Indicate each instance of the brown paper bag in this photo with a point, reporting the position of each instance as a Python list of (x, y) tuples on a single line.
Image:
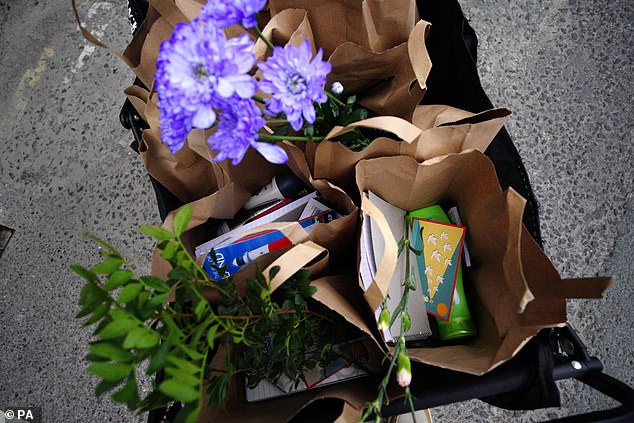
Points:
[(516, 289), (184, 174), (373, 24), (435, 131), (338, 236), (376, 48)]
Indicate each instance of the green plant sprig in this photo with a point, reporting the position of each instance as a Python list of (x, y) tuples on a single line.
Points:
[(169, 326), (400, 349)]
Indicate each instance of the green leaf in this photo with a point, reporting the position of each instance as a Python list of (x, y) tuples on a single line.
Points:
[(117, 328), (129, 394), (83, 272), (129, 292), (157, 232), (101, 242), (156, 301), (85, 311), (158, 361), (107, 266), (156, 283), (309, 131), (182, 219), (170, 323), (211, 335), (188, 414), (274, 271), (182, 376), (193, 354), (105, 386), (110, 351), (93, 357), (141, 337), (98, 314), (153, 401), (396, 313), (110, 372), (179, 391), (200, 308), (90, 297), (170, 250), (218, 387), (183, 364), (118, 278)]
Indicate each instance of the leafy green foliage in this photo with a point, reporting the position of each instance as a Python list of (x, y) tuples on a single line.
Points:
[(169, 325), (338, 113)]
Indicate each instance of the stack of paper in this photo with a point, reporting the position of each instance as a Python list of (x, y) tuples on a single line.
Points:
[(371, 251)]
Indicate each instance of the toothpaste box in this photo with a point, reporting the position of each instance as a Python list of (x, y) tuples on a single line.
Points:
[(244, 250)]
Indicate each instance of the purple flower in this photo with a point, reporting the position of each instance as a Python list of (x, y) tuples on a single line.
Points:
[(196, 69), (238, 126), (294, 82), (224, 13)]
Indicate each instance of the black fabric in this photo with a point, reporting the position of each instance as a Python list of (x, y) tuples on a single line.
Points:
[(454, 81), (541, 390), (137, 9)]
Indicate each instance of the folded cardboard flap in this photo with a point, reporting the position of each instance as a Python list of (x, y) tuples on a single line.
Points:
[(516, 291), (436, 131), (184, 174), (373, 24), (290, 26)]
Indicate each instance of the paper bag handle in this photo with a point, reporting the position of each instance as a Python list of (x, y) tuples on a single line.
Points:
[(584, 287), (378, 289), (403, 129), (292, 261), (418, 54)]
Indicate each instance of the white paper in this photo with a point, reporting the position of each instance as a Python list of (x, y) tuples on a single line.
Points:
[(454, 216), (288, 213), (312, 208), (395, 218)]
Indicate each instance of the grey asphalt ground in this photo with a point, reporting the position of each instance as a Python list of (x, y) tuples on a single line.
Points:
[(563, 67)]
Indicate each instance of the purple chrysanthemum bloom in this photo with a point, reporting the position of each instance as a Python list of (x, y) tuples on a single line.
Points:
[(294, 82), (196, 69), (238, 126), (224, 13)]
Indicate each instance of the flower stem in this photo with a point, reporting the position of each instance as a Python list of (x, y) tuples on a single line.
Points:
[(266, 40), (259, 99), (376, 405), (335, 99), (276, 122), (265, 137)]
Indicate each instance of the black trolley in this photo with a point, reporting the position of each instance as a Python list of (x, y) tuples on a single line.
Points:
[(528, 380)]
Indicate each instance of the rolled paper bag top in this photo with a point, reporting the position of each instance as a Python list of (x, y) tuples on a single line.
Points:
[(375, 25)]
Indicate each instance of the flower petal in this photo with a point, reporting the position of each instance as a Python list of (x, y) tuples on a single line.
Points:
[(271, 152), (204, 118)]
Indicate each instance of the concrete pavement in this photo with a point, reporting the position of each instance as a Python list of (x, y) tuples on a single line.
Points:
[(563, 67)]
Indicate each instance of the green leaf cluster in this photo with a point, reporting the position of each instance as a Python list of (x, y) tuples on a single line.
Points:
[(144, 322)]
